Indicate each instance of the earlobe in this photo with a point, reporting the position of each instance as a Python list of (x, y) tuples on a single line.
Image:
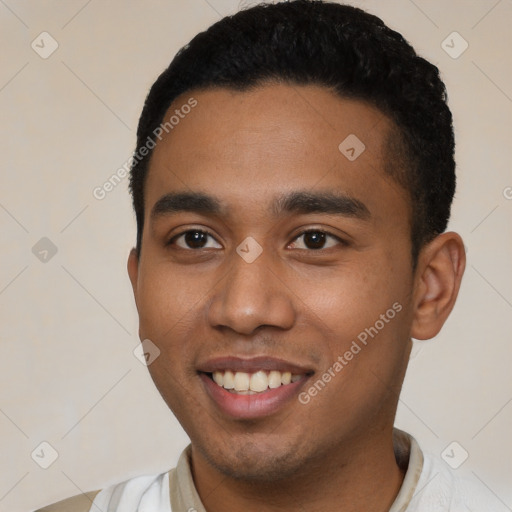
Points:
[(439, 273), (133, 270)]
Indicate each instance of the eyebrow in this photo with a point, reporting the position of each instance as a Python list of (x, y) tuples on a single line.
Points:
[(301, 202), (320, 202), (186, 202)]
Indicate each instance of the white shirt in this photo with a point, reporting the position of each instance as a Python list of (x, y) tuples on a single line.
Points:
[(430, 485)]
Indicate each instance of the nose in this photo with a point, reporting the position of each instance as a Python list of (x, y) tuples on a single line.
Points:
[(250, 296)]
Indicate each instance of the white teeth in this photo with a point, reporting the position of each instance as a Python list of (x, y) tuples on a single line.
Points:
[(218, 377), (274, 379), (259, 381), (229, 380), (248, 384), (242, 380)]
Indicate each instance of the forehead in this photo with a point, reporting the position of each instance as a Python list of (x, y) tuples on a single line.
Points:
[(249, 146)]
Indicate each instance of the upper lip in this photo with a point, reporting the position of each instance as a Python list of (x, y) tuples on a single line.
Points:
[(251, 365)]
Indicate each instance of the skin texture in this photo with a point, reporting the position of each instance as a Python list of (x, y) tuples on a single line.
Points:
[(302, 305)]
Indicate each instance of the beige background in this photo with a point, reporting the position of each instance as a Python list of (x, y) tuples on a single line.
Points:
[(68, 375)]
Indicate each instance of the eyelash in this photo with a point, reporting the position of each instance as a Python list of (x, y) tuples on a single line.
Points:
[(302, 233)]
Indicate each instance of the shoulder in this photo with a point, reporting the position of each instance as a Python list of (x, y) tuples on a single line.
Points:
[(149, 490), (79, 503), (448, 490), (124, 496), (146, 492)]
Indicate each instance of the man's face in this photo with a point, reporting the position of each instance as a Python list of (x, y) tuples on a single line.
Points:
[(270, 163)]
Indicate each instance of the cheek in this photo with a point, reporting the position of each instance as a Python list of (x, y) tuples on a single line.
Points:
[(351, 298), (171, 305), (367, 305), (167, 299)]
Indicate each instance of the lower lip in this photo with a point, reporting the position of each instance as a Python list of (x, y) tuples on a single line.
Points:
[(251, 406)]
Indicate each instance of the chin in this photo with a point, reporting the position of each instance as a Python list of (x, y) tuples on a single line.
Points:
[(256, 461)]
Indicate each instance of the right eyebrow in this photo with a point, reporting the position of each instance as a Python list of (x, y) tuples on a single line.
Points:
[(186, 202)]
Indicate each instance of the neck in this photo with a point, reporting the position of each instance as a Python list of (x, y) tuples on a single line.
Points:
[(363, 475)]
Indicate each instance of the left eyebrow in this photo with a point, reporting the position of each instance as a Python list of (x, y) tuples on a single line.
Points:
[(321, 202)]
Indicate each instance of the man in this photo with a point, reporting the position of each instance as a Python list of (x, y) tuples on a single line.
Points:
[(292, 185)]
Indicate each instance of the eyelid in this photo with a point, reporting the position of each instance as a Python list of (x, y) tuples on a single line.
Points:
[(330, 237), (343, 241), (187, 230), (184, 231)]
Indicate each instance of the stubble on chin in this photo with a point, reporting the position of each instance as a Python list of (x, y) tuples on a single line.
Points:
[(254, 463)]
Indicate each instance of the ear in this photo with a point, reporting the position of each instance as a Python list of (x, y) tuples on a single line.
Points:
[(133, 271), (441, 264)]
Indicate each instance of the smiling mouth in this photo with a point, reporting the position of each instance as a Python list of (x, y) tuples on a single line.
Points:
[(243, 383)]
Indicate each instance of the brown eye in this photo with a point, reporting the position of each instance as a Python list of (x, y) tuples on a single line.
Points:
[(195, 239), (316, 240)]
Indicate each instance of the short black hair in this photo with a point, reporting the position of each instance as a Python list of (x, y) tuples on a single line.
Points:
[(341, 47)]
